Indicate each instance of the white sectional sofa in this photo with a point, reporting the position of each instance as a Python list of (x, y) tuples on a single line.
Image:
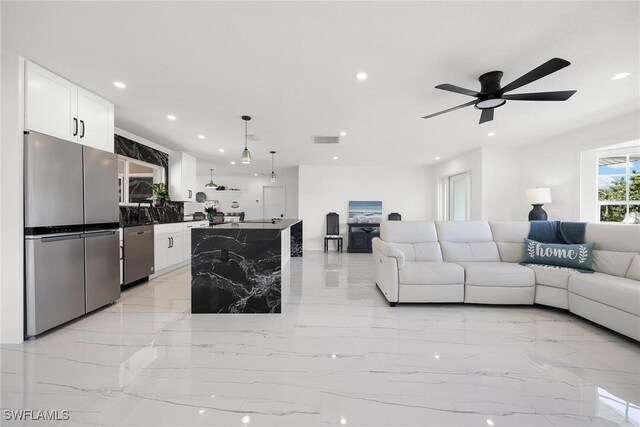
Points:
[(478, 262)]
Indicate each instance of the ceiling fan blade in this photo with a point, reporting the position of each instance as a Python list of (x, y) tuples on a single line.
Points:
[(562, 95), (551, 66), (486, 116), (450, 109), (458, 89)]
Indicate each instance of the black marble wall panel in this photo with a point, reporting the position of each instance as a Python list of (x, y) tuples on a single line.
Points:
[(129, 148), (173, 212), (235, 271), (296, 239)]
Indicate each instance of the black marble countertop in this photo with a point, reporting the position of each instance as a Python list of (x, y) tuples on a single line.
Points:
[(135, 224), (254, 225)]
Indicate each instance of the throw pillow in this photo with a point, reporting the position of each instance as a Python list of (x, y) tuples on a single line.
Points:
[(571, 256)]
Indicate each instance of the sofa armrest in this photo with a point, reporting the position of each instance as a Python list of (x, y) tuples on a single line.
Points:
[(389, 251)]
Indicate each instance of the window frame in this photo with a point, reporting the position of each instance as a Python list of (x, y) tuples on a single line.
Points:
[(159, 176), (627, 175)]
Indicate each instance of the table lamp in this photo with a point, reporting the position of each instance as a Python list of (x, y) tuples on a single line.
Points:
[(538, 197)]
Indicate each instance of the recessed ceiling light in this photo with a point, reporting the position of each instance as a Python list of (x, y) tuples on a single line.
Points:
[(361, 76), (343, 421), (213, 395), (489, 422), (437, 356), (333, 356), (200, 136), (255, 174), (119, 85), (201, 411), (343, 133), (246, 419), (491, 134), (437, 157), (335, 157), (620, 76), (171, 117), (221, 150), (232, 162)]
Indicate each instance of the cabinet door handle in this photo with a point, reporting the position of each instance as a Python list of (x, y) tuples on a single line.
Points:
[(75, 126), (82, 123), (189, 193), (169, 239)]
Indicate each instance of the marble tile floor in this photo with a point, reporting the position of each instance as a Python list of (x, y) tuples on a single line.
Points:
[(337, 355)]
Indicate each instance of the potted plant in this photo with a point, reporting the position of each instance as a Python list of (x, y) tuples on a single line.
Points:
[(210, 209), (160, 194)]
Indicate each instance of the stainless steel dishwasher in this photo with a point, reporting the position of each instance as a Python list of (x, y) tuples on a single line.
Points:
[(138, 253)]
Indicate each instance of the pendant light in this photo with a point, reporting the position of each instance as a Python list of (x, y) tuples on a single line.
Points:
[(272, 178), (246, 155), (211, 184)]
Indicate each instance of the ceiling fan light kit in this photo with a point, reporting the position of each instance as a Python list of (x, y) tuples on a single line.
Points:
[(492, 95)]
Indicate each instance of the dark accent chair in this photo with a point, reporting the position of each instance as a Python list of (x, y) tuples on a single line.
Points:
[(394, 216), (333, 231)]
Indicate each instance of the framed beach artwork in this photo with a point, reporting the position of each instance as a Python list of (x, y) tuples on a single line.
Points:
[(365, 211)]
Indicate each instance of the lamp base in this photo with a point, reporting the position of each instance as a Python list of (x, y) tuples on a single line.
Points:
[(537, 214)]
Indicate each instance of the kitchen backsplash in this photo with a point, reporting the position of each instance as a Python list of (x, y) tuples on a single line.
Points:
[(173, 212), (134, 150)]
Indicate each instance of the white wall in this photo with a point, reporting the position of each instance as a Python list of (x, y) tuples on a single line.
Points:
[(323, 189), (250, 196), (556, 164), (11, 194), (470, 162), (501, 183)]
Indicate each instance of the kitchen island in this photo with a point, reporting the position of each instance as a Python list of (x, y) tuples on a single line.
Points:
[(236, 267)]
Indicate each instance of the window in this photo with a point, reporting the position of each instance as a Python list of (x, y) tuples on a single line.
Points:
[(619, 188), (135, 179)]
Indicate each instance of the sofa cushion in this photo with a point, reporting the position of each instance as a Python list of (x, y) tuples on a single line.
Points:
[(613, 237), (550, 275), (572, 256), (469, 252), (431, 273), (614, 291), (420, 251), (634, 269), (509, 237), (408, 231), (510, 252), (499, 274), (612, 262), (510, 231), (464, 231)]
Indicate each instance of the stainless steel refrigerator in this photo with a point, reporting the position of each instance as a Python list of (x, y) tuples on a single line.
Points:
[(71, 219)]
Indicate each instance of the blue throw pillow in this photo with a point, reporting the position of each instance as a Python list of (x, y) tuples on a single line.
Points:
[(571, 256)]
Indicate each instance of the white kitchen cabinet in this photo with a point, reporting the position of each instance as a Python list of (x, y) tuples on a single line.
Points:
[(182, 177), (187, 236), (57, 107), (175, 251), (96, 121), (160, 245)]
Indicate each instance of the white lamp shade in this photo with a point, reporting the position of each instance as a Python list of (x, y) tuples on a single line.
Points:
[(538, 196)]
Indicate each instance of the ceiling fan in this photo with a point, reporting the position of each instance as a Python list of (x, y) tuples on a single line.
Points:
[(492, 96)]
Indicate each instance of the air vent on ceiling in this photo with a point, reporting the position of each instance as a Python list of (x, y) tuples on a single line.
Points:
[(325, 139), (253, 138)]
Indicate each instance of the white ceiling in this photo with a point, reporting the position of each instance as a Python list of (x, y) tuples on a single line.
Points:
[(292, 67)]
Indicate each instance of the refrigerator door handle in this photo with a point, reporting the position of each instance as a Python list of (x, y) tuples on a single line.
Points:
[(59, 238), (100, 233)]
